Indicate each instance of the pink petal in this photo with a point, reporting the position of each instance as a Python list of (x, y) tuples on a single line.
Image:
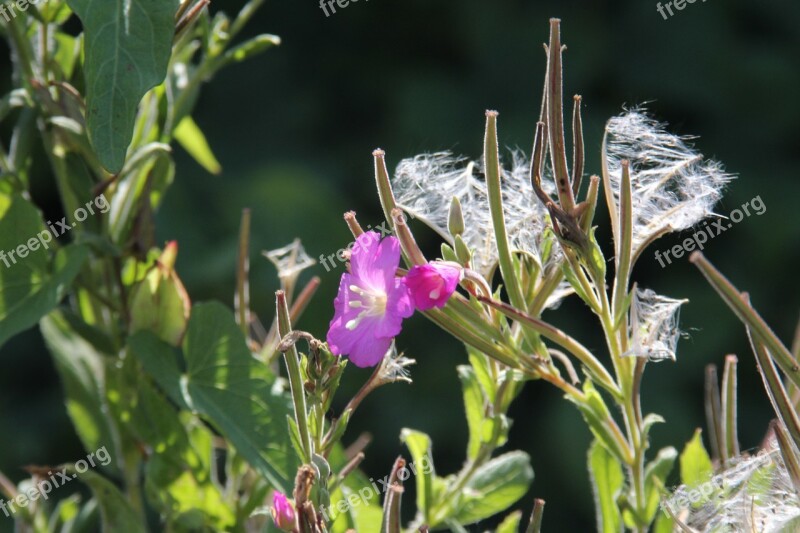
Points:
[(374, 261)]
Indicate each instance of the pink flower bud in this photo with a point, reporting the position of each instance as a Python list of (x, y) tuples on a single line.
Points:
[(283, 512), (432, 285)]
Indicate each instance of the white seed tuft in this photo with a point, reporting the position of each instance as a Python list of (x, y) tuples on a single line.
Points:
[(673, 186), (752, 494), (653, 322), (426, 184)]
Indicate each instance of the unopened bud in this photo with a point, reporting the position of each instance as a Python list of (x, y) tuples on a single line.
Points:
[(159, 303), (455, 219)]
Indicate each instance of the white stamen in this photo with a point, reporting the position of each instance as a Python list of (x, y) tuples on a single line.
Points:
[(373, 303)]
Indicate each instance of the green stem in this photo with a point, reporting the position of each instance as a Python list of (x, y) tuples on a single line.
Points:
[(749, 316), (492, 162), (624, 242), (295, 379), (242, 281)]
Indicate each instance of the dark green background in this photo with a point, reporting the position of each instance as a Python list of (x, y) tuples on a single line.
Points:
[(294, 130)]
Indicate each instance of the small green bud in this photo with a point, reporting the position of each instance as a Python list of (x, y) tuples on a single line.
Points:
[(455, 219), (462, 251)]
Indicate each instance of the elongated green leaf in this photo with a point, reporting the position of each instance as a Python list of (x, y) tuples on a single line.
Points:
[(607, 481), (495, 487), (473, 405), (655, 478), (30, 287), (419, 445), (82, 371), (127, 45), (227, 386), (191, 137)]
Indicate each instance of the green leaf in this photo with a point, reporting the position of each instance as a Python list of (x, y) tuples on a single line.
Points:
[(495, 487), (117, 514), (655, 479), (82, 371), (191, 137), (663, 524), (696, 467), (607, 480), (364, 516), (480, 364), (228, 387), (365, 492), (419, 445), (597, 417), (127, 46), (510, 524), (30, 287), (473, 405), (178, 475)]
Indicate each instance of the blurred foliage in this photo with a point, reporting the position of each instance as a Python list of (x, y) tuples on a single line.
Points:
[(293, 131)]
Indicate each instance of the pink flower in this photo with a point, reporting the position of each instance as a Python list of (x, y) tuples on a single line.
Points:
[(432, 285), (282, 512), (372, 302)]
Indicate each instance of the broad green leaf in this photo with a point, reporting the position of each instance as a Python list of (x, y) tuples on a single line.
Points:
[(30, 287), (82, 371), (161, 361), (473, 405), (191, 137), (607, 481), (178, 471), (228, 387), (127, 46), (696, 467), (495, 486), (117, 514), (178, 474), (419, 445)]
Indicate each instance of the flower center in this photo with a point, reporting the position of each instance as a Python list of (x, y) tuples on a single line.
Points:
[(373, 303)]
